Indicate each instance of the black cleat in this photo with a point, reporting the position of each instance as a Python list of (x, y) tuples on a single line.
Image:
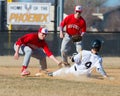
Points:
[(50, 74)]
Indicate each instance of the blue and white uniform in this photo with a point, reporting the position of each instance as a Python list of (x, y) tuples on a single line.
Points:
[(85, 62)]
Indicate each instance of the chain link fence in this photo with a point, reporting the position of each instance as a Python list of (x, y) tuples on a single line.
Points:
[(111, 45)]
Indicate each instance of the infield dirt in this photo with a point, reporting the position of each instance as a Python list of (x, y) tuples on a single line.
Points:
[(12, 84)]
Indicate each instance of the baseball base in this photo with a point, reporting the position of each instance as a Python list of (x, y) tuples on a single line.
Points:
[(39, 74)]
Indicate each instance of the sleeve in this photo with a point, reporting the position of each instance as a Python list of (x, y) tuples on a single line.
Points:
[(47, 50), (23, 40), (83, 30), (77, 58), (100, 68), (63, 23)]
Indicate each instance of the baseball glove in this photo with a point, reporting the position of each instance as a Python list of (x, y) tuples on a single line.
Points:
[(63, 64), (76, 38), (66, 64)]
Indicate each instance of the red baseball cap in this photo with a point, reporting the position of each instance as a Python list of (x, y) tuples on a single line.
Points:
[(43, 30), (78, 8)]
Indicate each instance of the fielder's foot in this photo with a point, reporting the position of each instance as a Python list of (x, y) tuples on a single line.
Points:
[(25, 73), (50, 74), (42, 72)]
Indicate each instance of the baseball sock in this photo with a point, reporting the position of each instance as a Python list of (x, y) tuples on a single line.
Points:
[(23, 68)]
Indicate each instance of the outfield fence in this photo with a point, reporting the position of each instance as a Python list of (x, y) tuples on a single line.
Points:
[(111, 45)]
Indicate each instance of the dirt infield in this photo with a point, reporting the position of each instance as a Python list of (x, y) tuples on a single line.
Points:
[(11, 67), (10, 73), (114, 75)]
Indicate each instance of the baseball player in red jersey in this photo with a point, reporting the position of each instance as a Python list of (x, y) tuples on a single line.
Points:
[(33, 44), (75, 25)]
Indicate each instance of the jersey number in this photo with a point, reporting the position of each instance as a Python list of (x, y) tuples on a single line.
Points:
[(88, 64)]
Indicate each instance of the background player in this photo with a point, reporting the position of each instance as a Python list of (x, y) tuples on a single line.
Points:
[(33, 44), (75, 25), (85, 62)]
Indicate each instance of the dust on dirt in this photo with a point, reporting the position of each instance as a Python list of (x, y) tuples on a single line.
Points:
[(10, 67)]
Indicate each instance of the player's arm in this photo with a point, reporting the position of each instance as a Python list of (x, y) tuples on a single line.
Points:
[(102, 72), (16, 55), (22, 40), (100, 68), (61, 32), (76, 58), (54, 59), (50, 54), (61, 27), (83, 30)]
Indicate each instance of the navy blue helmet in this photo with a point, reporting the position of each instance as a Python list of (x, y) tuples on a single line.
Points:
[(96, 44)]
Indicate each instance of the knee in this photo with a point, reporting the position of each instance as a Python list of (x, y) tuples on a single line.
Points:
[(63, 53), (28, 50), (42, 57)]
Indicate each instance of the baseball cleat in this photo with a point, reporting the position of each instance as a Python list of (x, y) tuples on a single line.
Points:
[(25, 73), (50, 74)]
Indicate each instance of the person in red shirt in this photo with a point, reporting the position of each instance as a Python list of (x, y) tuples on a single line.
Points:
[(33, 44), (75, 25)]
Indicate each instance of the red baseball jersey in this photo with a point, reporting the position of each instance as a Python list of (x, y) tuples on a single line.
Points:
[(34, 42), (73, 25)]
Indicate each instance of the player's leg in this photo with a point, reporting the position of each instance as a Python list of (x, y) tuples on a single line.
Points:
[(78, 46), (72, 70), (66, 71), (26, 51), (41, 56), (65, 47), (60, 72)]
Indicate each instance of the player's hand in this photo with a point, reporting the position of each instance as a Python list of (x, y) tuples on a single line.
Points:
[(60, 64), (16, 56), (109, 77), (61, 35)]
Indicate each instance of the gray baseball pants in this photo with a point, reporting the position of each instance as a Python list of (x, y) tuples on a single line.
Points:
[(66, 47), (28, 53)]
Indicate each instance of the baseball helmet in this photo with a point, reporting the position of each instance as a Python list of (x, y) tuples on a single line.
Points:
[(78, 8), (96, 44), (43, 30)]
